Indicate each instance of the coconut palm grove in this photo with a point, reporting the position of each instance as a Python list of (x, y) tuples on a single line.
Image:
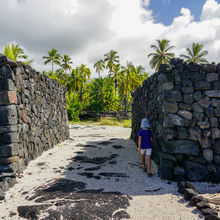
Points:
[(111, 91)]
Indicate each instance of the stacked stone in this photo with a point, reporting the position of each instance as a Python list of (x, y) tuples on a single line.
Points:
[(33, 117), (188, 119)]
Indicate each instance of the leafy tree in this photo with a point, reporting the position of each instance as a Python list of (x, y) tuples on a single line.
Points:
[(161, 54), (28, 62), (196, 54), (100, 66), (53, 57), (126, 77), (85, 75), (111, 58), (65, 62), (115, 77), (15, 52)]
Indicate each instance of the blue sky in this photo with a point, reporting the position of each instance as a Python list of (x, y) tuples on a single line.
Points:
[(87, 29), (165, 11)]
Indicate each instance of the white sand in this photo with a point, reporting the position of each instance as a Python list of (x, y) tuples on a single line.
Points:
[(164, 204)]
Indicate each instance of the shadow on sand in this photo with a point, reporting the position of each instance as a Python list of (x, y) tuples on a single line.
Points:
[(97, 184)]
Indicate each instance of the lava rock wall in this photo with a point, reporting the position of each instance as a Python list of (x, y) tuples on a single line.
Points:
[(182, 102), (33, 117)]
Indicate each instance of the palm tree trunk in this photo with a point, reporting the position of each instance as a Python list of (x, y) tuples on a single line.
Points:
[(126, 97), (52, 67)]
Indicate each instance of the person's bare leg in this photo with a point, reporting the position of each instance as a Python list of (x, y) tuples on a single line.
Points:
[(148, 164), (143, 161)]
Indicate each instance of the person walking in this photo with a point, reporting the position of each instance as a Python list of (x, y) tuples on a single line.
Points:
[(145, 141)]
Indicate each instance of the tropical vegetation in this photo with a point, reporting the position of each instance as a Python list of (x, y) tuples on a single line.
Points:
[(162, 53), (15, 52), (111, 91), (101, 95), (195, 55)]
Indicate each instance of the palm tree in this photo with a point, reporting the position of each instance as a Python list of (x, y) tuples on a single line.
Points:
[(115, 77), (28, 62), (85, 74), (99, 65), (161, 56), (14, 52), (66, 61), (111, 58), (127, 77), (53, 57), (196, 54)]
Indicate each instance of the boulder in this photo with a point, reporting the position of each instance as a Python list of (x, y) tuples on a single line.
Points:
[(208, 154), (215, 103), (173, 96), (185, 114), (202, 85), (164, 68), (209, 211), (166, 86), (216, 85), (6, 60), (187, 89), (210, 112), (197, 95), (183, 185), (208, 68), (194, 133), (213, 93), (166, 169), (198, 76), (189, 193), (188, 99), (194, 67), (170, 107), (216, 176), (167, 156), (205, 102), (217, 112), (179, 171), (211, 217), (185, 147), (172, 120), (195, 171), (198, 116), (217, 160), (197, 107), (6, 73), (203, 124), (213, 122), (218, 68), (202, 205), (215, 133), (211, 77), (7, 85), (8, 115), (184, 106), (182, 133)]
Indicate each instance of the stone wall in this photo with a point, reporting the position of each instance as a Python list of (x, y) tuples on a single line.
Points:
[(33, 117), (182, 103)]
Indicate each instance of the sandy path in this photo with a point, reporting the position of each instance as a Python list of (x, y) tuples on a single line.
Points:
[(70, 181)]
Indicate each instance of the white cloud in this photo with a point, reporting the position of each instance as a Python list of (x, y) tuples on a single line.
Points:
[(211, 10), (87, 29)]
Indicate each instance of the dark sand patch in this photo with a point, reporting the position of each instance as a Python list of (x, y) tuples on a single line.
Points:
[(71, 200)]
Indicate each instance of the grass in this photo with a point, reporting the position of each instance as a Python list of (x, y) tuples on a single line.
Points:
[(110, 121)]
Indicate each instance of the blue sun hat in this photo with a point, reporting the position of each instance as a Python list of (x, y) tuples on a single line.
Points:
[(145, 123)]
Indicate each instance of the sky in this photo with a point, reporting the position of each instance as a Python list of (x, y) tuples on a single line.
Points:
[(87, 29)]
